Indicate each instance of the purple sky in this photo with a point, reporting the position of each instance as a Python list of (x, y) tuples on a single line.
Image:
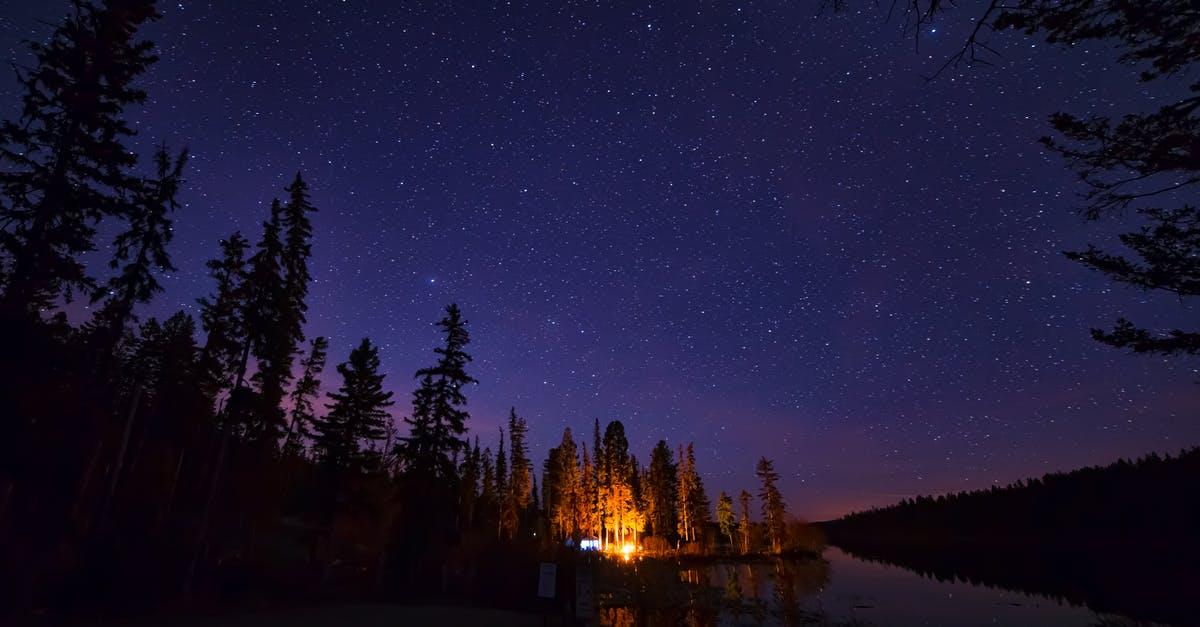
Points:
[(732, 223)]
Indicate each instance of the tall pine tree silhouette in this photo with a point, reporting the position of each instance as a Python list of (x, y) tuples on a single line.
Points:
[(141, 250), (222, 316), (301, 417), (438, 422)]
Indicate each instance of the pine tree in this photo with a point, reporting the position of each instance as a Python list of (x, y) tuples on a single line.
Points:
[(297, 249), (222, 317), (725, 517), (358, 412), (471, 474), (772, 503), (501, 472), (438, 421), (744, 526), (487, 484), (661, 490), (141, 249), (600, 477), (692, 499), (701, 509), (301, 415), (616, 491), (66, 167), (588, 516), (561, 487), (520, 476), (268, 335)]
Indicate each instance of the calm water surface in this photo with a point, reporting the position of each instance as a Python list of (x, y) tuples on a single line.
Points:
[(838, 590), (890, 595)]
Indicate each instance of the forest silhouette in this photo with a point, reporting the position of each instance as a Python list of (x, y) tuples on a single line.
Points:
[(1120, 538)]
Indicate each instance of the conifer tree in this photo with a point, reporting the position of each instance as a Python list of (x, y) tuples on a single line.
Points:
[(357, 414), (616, 491), (222, 317), (65, 165), (744, 525), (520, 475), (471, 475), (692, 499), (501, 475), (301, 415), (661, 491), (438, 421), (600, 477), (772, 503), (487, 483), (725, 517), (587, 496), (141, 249), (561, 487), (297, 249), (266, 329)]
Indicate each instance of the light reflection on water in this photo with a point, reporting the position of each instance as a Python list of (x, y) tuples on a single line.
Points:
[(836, 590)]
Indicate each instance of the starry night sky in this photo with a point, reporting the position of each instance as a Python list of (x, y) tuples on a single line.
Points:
[(734, 223)]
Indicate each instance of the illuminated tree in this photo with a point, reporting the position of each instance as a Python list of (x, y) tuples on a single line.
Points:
[(615, 489), (588, 514), (744, 525), (562, 490), (772, 503), (692, 499), (725, 517)]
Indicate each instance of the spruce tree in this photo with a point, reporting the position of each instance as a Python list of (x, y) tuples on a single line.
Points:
[(64, 163), (269, 342), (301, 415), (141, 249), (357, 414), (438, 421), (617, 493), (725, 517), (773, 508), (222, 316), (297, 249), (520, 475), (588, 517), (661, 489), (744, 526)]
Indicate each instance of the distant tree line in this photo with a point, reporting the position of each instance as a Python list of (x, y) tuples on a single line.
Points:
[(1119, 538), (1146, 501)]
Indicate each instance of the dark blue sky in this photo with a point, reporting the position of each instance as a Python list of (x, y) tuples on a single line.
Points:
[(734, 223)]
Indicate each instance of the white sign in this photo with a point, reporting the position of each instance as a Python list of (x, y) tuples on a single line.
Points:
[(546, 575), (584, 595)]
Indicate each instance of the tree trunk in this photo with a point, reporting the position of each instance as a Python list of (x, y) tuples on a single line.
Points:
[(120, 460)]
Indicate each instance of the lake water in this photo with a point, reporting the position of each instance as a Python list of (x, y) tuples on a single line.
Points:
[(837, 590)]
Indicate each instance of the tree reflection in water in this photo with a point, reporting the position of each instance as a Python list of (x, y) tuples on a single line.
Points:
[(654, 593)]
